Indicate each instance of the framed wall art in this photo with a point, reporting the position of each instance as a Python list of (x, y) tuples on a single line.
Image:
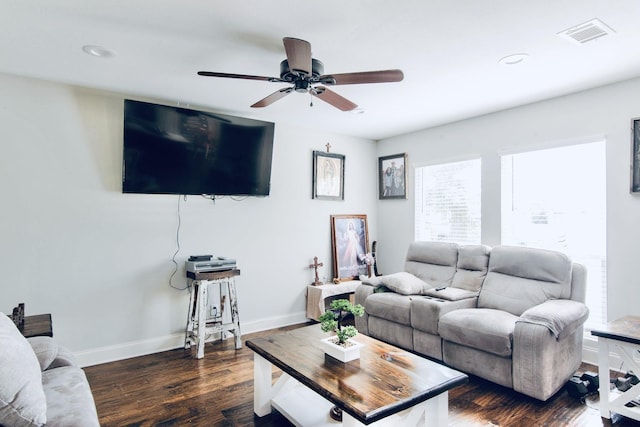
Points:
[(328, 176), (635, 155), (392, 176), (350, 243)]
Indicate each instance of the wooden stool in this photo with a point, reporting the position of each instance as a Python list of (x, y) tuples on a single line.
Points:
[(197, 325)]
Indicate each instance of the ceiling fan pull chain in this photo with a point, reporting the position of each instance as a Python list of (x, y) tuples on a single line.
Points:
[(311, 99)]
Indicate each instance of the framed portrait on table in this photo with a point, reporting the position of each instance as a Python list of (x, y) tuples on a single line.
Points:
[(328, 176), (392, 176), (350, 243)]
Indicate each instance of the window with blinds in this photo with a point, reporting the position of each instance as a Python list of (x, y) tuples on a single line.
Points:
[(448, 201), (556, 199)]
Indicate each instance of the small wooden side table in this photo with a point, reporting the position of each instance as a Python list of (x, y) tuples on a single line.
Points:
[(319, 296), (39, 325), (624, 335), (197, 325)]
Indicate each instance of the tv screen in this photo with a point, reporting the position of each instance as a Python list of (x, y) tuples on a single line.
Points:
[(172, 150)]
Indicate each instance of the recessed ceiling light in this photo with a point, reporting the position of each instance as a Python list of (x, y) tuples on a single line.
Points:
[(98, 51), (513, 59)]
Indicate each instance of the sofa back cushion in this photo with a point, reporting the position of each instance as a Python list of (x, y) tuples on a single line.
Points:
[(520, 278), (472, 266), (22, 399), (433, 262)]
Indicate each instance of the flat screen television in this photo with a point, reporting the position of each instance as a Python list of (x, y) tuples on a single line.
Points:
[(172, 150)]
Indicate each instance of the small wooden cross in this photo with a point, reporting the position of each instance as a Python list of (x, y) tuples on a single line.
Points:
[(328, 146), (315, 266)]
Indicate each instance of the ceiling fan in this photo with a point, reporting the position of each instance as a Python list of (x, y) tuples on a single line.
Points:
[(307, 75)]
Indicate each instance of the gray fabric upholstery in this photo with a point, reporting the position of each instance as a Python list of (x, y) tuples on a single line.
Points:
[(519, 278), (433, 262), (72, 402), (390, 306), (450, 293), (560, 317), (426, 312), (41, 383), (394, 333), (524, 330), (22, 399), (541, 363), (45, 349), (472, 266), (484, 329), (403, 283)]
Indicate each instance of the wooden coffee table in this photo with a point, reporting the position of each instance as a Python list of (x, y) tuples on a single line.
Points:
[(386, 386)]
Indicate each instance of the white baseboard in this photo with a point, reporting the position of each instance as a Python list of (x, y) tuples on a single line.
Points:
[(128, 350)]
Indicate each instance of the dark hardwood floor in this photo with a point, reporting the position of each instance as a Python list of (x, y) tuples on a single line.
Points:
[(173, 388)]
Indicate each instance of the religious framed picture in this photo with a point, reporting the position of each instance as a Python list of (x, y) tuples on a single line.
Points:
[(328, 176), (392, 176), (635, 155), (350, 243)]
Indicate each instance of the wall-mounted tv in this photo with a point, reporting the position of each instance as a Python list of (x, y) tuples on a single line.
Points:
[(172, 150)]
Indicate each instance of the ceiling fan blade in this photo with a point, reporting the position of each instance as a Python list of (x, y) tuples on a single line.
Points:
[(383, 76), (279, 94), (333, 98), (238, 76), (298, 55)]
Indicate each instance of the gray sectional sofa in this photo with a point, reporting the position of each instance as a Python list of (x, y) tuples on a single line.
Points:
[(40, 383), (511, 315)]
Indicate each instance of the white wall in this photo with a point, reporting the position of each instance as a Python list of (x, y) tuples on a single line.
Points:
[(100, 261), (604, 112)]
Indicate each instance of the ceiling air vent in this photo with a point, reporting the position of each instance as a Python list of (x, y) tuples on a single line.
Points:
[(587, 31)]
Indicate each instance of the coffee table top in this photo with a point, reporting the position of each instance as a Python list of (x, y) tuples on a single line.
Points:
[(624, 329), (384, 381)]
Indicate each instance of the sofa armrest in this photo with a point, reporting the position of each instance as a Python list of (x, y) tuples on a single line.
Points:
[(46, 350), (361, 294), (561, 317)]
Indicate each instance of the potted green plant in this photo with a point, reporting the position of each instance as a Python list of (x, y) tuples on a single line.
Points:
[(341, 346)]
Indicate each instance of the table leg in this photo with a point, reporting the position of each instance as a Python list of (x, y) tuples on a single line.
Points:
[(202, 299), (190, 315), (235, 317), (261, 386), (603, 375)]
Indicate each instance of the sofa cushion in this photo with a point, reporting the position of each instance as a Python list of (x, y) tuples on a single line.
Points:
[(69, 399), (46, 350), (483, 329), (433, 262), (520, 278), (390, 306), (403, 283), (471, 269), (426, 311), (22, 399)]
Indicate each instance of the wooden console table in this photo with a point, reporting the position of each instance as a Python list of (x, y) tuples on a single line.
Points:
[(197, 325), (623, 335), (318, 297)]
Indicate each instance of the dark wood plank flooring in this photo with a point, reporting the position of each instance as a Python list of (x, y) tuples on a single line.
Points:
[(173, 388)]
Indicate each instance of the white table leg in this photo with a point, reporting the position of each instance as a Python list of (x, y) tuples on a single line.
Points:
[(603, 376), (203, 298), (235, 317), (433, 412), (262, 375)]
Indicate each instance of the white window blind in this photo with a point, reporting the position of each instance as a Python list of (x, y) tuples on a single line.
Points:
[(448, 202), (556, 199)]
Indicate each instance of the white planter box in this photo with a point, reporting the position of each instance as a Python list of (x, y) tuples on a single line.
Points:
[(343, 354)]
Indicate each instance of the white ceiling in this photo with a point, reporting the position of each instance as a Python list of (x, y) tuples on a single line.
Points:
[(448, 50)]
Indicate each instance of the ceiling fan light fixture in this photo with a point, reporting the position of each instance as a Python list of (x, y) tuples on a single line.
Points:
[(97, 51), (514, 59)]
